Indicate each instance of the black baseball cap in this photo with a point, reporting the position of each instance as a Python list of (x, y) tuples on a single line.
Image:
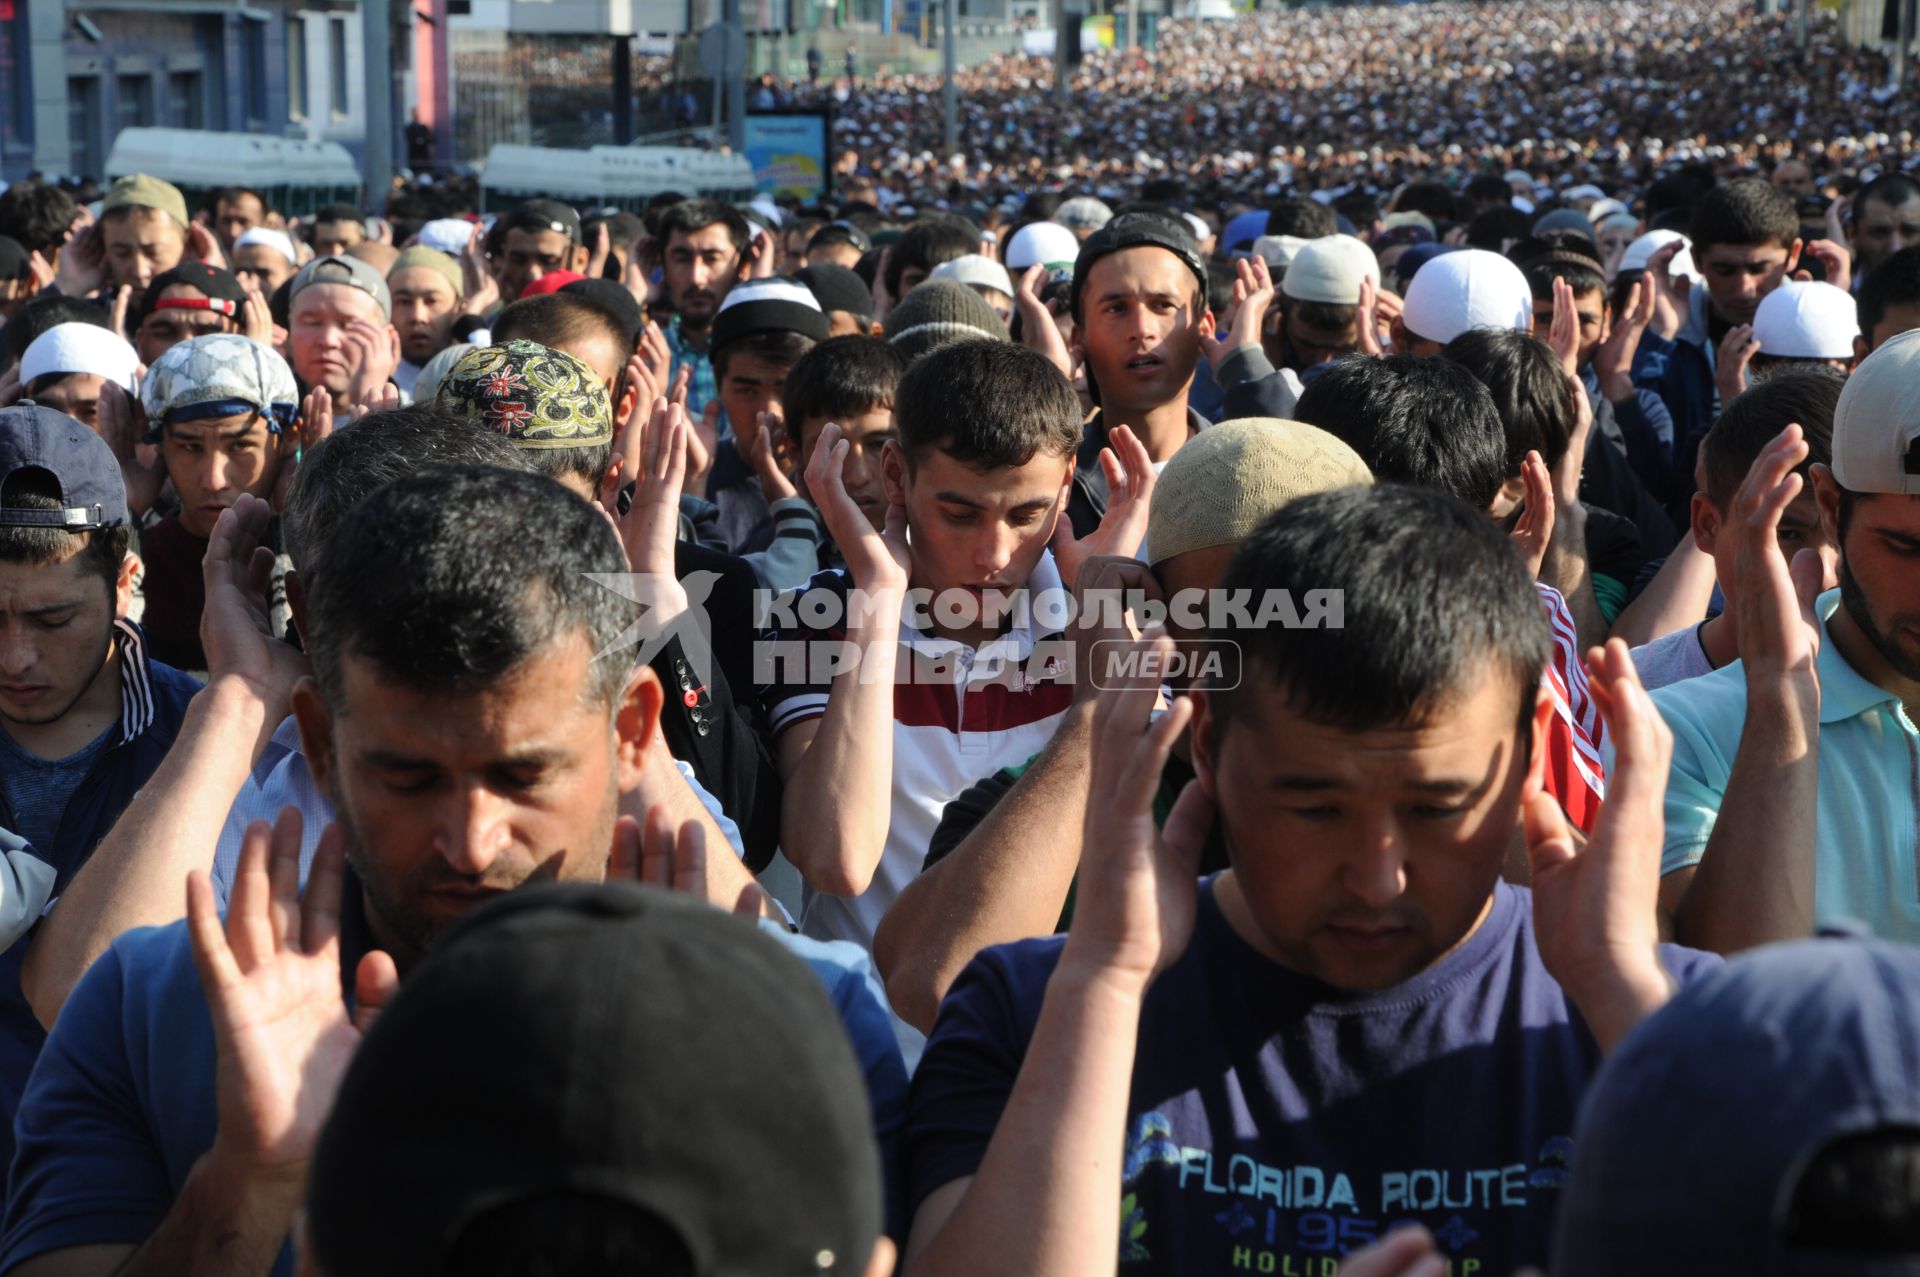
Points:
[(840, 233), (224, 291), (93, 496), (543, 215), (1136, 230), (609, 1042), (837, 288)]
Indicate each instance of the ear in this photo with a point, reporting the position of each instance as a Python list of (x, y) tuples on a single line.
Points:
[(123, 586), (1826, 495), (893, 472), (636, 722), (1793, 255), (1706, 523), (878, 330), (1200, 734), (624, 409), (1397, 331), (579, 257), (1537, 756), (1512, 494), (297, 602), (1206, 324), (311, 715)]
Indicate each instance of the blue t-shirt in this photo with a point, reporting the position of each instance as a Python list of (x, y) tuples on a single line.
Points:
[(1276, 1123), (37, 789), (121, 1102)]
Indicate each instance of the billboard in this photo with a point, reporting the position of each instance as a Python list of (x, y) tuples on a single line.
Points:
[(789, 151)]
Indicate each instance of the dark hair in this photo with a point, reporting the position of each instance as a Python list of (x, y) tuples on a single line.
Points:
[(567, 1235), (340, 213), (1743, 212), (1799, 393), (1038, 207), (840, 378), (927, 244), (552, 318), (1300, 216), (41, 314), (987, 404), (1894, 282), (1326, 315), (1426, 422), (101, 553), (226, 193), (1431, 198), (774, 346), (689, 217), (1406, 645), (1489, 188), (354, 461), (1492, 228), (1529, 389), (1359, 208), (1581, 277), (1860, 1195), (1676, 192), (38, 215), (1891, 189), (448, 580)]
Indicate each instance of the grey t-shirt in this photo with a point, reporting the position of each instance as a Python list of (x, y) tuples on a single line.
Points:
[(37, 789), (1671, 659)]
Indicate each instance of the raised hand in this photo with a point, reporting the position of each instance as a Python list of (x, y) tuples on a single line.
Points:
[(638, 277), (1778, 632), (204, 246), (1672, 292), (1100, 629), (654, 352), (652, 452), (877, 561), (1834, 258), (1404, 1252), (256, 317), (479, 290), (117, 311), (1130, 480), (672, 860), (384, 398), (1566, 475), (140, 464), (1595, 908), (40, 275), (1138, 885), (1368, 328), (1737, 350), (1037, 329), (1563, 335), (271, 975), (1253, 295), (1533, 532), (316, 418), (761, 449), (374, 353), (234, 629), (1613, 362), (83, 263), (599, 251)]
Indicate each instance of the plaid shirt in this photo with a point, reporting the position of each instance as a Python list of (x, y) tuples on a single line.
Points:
[(704, 385)]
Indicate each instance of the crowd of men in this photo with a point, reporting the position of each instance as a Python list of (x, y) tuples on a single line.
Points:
[(1127, 723)]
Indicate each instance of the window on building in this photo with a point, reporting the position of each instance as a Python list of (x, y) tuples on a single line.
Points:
[(186, 104), (133, 102), (337, 63), (253, 35), (83, 125), (297, 67)]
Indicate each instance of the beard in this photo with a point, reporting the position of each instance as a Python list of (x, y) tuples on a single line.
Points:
[(1885, 637)]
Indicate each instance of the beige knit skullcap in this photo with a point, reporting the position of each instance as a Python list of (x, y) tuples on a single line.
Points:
[(1225, 481)]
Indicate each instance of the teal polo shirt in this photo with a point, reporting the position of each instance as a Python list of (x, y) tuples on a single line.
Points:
[(1869, 817)]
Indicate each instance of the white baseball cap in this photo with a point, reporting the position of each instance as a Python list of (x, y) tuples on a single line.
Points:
[(1042, 243), (1458, 292), (975, 271), (1641, 251), (1877, 421), (279, 241), (1804, 320), (1329, 269), (66, 349)]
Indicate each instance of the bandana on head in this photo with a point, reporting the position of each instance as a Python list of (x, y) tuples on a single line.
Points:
[(219, 375), (536, 396)]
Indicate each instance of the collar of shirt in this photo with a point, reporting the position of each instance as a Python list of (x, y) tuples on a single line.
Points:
[(136, 681), (1844, 692), (1043, 595)]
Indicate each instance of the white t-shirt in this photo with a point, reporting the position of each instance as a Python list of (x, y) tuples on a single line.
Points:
[(1671, 659)]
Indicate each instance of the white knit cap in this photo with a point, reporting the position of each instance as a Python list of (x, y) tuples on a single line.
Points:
[(1458, 292), (1329, 269), (279, 241), (977, 272), (1877, 421), (448, 234), (1603, 209), (84, 348), (1804, 320), (1042, 243)]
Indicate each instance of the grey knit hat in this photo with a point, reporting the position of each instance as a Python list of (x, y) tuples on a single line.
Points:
[(938, 312)]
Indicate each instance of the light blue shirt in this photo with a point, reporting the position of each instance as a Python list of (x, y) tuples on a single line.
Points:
[(281, 779), (1869, 815)]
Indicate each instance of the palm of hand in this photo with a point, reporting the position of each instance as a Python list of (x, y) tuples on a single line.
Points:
[(286, 1045)]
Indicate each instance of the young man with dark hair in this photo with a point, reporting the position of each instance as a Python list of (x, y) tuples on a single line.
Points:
[(469, 742), (1884, 218), (142, 232), (849, 382), (1890, 300), (221, 408), (979, 472), (85, 714), (335, 229), (705, 249), (1302, 218), (582, 328), (537, 238), (1745, 240), (545, 401), (42, 315), (1791, 797), (845, 298), (1358, 1023), (1801, 396), (40, 216), (426, 287), (191, 300), (928, 243), (237, 210)]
